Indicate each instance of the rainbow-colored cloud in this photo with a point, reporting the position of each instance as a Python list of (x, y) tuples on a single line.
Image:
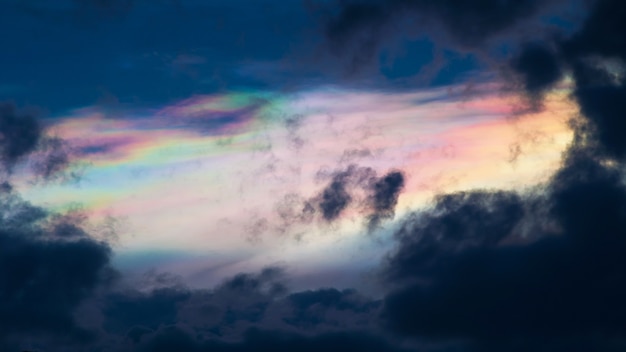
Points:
[(209, 173)]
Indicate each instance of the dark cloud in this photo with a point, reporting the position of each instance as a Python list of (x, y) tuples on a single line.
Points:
[(602, 103), (470, 22), (597, 35), (20, 131), (235, 305), (469, 278), (49, 263), (173, 339), (466, 270), (136, 332), (23, 137), (268, 281), (384, 197), (599, 95), (47, 267), (557, 289), (457, 222), (347, 191), (343, 300), (359, 29), (587, 55), (334, 198), (347, 186), (230, 315), (330, 308), (538, 67), (130, 312)]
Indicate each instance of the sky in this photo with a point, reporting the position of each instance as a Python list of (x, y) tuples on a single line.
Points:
[(398, 175)]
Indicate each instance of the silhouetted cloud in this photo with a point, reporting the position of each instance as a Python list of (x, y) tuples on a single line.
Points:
[(223, 312), (563, 289), (380, 199), (465, 269), (21, 132), (334, 198), (174, 339), (384, 197), (538, 67), (359, 28), (23, 137), (47, 267), (49, 263), (470, 22), (330, 309), (226, 316), (457, 222), (565, 285), (130, 311), (587, 55)]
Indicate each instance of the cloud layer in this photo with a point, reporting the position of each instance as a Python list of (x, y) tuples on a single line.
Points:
[(540, 268)]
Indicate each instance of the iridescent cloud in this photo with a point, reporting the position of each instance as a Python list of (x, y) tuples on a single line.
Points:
[(210, 173)]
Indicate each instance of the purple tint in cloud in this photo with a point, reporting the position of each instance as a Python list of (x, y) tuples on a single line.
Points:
[(350, 175)]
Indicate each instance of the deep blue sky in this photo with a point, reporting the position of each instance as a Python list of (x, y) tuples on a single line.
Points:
[(66, 54)]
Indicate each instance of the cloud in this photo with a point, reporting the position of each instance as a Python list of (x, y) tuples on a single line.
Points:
[(360, 29), (587, 55), (538, 67), (384, 197), (467, 21), (246, 311), (49, 263), (171, 339), (466, 273), (54, 159), (326, 308), (481, 270), (356, 184), (24, 138), (563, 285), (48, 266), (20, 132), (334, 198), (129, 312), (457, 222), (223, 312)]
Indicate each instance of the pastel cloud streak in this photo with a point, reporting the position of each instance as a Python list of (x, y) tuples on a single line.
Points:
[(210, 174)]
